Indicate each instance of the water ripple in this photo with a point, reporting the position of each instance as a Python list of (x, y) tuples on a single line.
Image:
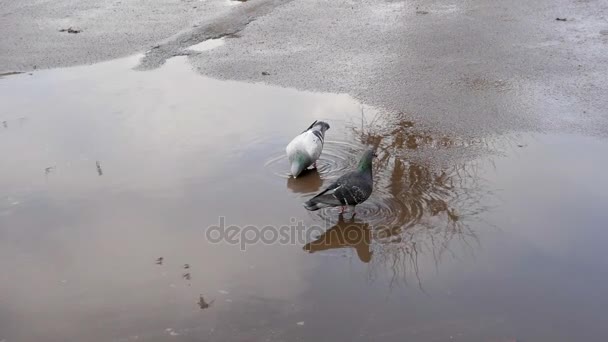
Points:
[(338, 157)]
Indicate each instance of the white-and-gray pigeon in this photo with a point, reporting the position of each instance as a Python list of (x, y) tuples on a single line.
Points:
[(304, 150), (349, 190)]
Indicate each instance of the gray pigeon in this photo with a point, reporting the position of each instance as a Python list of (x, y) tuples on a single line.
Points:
[(351, 189)]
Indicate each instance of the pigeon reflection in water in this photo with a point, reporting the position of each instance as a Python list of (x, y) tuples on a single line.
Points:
[(309, 182), (345, 234)]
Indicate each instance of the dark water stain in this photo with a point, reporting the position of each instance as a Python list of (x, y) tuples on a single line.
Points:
[(10, 73), (462, 239)]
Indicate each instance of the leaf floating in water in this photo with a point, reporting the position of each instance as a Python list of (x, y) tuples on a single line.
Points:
[(203, 304)]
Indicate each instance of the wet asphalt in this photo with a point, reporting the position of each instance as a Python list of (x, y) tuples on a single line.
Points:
[(470, 69)]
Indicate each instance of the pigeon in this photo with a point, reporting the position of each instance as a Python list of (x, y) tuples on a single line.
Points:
[(305, 149), (351, 189)]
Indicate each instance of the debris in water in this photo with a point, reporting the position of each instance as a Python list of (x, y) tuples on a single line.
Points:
[(71, 30), (265, 73), (561, 19), (159, 261), (99, 171), (186, 276), (223, 291), (202, 304), (186, 266), (49, 170), (300, 323), (4, 124), (422, 12)]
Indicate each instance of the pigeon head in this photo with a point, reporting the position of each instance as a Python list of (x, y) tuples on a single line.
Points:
[(323, 126), (365, 163)]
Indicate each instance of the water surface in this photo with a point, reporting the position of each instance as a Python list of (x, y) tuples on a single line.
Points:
[(106, 170)]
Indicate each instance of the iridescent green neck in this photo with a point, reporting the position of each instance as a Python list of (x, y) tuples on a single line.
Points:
[(365, 164)]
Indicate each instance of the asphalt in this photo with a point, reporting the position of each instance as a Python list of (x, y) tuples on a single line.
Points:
[(463, 68), (35, 32)]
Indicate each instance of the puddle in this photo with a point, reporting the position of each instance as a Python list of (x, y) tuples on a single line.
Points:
[(111, 178), (207, 45)]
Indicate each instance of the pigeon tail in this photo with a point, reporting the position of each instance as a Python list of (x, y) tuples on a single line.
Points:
[(313, 205)]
